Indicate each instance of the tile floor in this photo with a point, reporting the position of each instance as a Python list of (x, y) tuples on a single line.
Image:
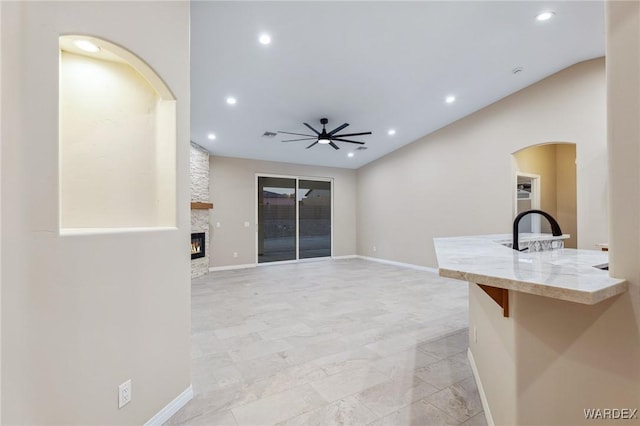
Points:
[(339, 342)]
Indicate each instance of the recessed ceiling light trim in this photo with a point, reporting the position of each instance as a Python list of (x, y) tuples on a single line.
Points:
[(231, 100), (391, 132), (264, 39), (211, 136), (450, 99), (545, 16)]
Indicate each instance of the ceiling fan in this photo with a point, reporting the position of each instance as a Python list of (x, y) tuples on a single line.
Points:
[(324, 137)]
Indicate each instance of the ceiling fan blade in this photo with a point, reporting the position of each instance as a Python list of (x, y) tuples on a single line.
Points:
[(337, 129), (294, 140), (346, 140), (298, 134), (334, 145), (314, 130), (312, 144), (352, 134)]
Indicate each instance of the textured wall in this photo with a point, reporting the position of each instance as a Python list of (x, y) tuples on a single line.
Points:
[(107, 148), (82, 313), (459, 179), (233, 192), (199, 174)]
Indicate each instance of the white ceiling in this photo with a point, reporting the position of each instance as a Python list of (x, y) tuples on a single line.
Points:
[(375, 65)]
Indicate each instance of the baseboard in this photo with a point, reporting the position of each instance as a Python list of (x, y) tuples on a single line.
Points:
[(349, 256), (404, 265), (171, 408), (230, 267), (483, 396)]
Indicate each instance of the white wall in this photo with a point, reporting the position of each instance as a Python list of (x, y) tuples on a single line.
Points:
[(108, 174), (623, 110), (82, 314), (233, 194), (458, 180)]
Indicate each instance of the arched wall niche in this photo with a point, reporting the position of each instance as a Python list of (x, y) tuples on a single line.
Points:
[(117, 140)]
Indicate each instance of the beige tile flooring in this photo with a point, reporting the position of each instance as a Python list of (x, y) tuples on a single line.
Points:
[(333, 342)]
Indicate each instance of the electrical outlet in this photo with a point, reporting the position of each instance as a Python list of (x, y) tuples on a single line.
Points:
[(475, 334), (247, 224), (124, 394), (374, 248), (235, 254)]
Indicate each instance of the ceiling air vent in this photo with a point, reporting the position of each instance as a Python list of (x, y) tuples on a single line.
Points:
[(268, 135)]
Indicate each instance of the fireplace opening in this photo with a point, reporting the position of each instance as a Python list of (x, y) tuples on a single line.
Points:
[(197, 245)]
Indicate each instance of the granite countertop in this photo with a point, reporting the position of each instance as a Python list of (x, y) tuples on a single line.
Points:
[(524, 236), (566, 274)]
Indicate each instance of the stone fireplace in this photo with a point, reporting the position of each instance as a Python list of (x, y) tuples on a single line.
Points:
[(200, 210)]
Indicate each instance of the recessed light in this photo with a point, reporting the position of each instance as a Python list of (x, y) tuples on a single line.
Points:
[(264, 39), (211, 136), (545, 16), (391, 132), (231, 100), (351, 154), (86, 45), (450, 99)]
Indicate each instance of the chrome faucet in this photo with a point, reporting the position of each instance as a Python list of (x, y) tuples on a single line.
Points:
[(555, 228)]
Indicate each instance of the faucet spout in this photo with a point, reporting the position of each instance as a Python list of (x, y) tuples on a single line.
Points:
[(555, 228)]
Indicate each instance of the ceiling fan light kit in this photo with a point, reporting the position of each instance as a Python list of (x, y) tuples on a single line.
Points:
[(324, 137)]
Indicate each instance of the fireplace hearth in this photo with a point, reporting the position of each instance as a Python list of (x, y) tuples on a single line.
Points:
[(197, 245)]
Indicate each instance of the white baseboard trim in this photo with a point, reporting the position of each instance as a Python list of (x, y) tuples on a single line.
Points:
[(171, 408), (405, 265), (483, 396), (230, 267), (350, 256)]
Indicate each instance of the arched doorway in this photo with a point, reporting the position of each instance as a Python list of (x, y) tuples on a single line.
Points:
[(545, 178)]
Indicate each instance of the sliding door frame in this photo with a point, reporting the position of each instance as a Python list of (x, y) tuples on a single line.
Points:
[(297, 180)]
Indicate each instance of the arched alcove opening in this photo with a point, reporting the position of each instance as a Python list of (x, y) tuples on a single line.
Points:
[(117, 139), (545, 178)]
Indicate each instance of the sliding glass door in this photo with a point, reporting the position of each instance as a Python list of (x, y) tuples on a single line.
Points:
[(277, 224), (294, 218), (314, 218)]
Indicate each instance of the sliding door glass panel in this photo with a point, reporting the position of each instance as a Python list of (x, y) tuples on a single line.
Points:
[(276, 219), (314, 211)]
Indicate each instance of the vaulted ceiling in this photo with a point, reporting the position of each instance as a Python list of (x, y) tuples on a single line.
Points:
[(376, 65)]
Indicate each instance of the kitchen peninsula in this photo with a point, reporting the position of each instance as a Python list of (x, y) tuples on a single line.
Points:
[(539, 327)]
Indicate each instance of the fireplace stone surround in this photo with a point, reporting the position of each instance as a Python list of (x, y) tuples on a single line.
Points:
[(200, 207)]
